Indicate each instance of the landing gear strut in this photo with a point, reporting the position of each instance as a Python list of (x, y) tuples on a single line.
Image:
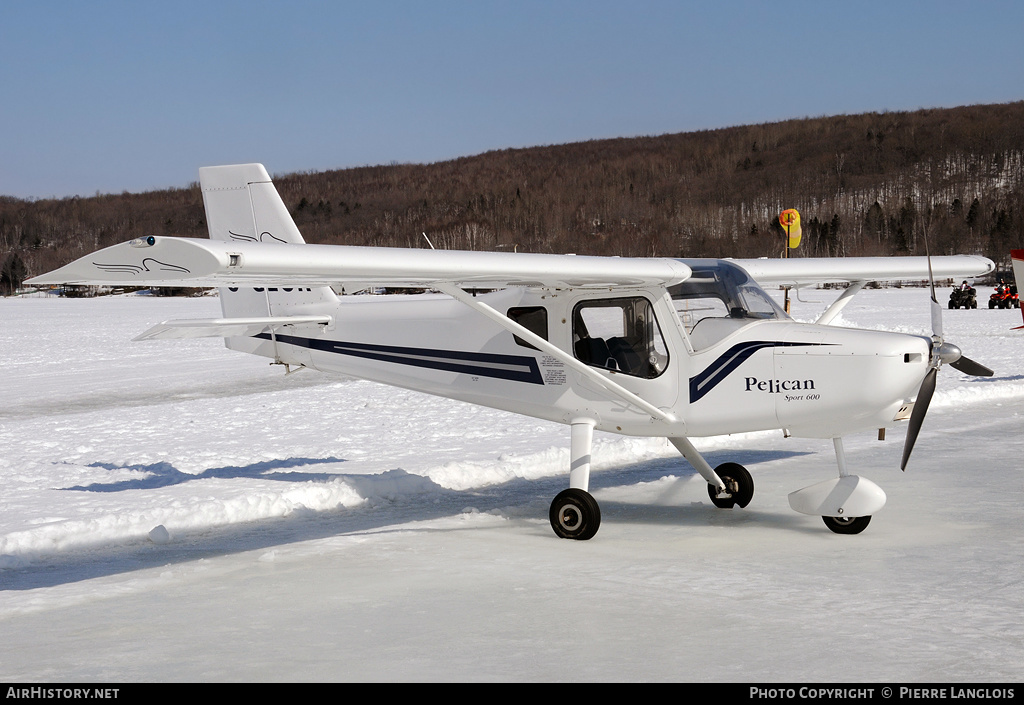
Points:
[(729, 484), (574, 512), (846, 503)]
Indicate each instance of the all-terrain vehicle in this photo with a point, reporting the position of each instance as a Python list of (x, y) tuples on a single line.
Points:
[(1004, 297), (963, 298)]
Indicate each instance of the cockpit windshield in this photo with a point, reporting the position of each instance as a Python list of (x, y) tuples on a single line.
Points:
[(719, 298)]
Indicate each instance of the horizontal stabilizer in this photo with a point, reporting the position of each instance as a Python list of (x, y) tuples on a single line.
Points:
[(225, 327)]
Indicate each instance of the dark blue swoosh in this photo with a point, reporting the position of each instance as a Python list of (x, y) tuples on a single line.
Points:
[(727, 362)]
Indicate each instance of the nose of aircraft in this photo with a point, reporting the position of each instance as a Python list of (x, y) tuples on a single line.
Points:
[(851, 380), (895, 365)]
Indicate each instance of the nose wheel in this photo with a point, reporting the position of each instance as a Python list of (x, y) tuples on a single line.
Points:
[(847, 525)]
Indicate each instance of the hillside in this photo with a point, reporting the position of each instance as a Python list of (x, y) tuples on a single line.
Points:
[(869, 184)]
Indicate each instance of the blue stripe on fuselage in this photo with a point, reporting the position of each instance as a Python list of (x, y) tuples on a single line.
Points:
[(511, 367)]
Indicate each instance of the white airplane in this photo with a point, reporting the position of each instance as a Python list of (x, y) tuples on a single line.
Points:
[(676, 348)]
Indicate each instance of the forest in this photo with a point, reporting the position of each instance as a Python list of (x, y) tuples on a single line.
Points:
[(891, 183)]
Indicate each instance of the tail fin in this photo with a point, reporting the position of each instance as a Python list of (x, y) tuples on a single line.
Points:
[(243, 205), (1017, 256)]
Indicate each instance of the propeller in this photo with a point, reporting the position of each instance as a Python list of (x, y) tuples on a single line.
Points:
[(942, 353)]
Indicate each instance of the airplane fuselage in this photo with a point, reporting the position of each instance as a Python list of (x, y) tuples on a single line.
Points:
[(812, 380)]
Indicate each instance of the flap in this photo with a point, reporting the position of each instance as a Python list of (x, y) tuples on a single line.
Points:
[(224, 327)]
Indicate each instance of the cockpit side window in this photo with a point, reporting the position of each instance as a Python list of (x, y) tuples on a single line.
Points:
[(620, 335), (717, 299)]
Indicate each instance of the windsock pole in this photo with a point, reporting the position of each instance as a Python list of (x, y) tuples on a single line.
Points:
[(790, 219)]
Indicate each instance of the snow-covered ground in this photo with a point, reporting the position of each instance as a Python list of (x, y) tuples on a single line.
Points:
[(318, 528)]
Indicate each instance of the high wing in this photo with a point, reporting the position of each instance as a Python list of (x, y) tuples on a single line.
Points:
[(799, 271), (171, 261), (858, 271), (162, 261)]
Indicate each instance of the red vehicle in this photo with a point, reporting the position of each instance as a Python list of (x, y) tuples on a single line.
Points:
[(1005, 296)]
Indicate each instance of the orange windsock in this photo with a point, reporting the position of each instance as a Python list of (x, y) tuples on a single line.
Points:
[(789, 219)]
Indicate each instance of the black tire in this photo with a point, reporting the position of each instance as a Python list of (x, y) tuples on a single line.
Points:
[(744, 492), (952, 305), (575, 514), (847, 525), (991, 304)]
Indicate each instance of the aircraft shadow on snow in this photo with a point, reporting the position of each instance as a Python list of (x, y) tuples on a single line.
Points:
[(120, 556), (164, 474)]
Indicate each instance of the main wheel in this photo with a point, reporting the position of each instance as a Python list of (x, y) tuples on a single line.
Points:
[(739, 486), (847, 525), (575, 515)]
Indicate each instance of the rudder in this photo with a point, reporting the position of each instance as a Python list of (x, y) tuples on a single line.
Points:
[(242, 205)]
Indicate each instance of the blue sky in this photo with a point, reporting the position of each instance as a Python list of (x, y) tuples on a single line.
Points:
[(131, 96)]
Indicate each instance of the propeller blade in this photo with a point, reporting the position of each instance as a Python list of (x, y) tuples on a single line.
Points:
[(970, 367), (924, 398), (936, 311)]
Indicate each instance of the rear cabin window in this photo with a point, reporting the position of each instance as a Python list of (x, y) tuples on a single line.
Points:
[(621, 335), (533, 319)]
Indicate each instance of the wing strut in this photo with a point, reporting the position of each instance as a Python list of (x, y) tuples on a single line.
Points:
[(508, 324), (840, 303)]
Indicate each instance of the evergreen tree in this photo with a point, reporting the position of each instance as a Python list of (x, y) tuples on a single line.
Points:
[(12, 274)]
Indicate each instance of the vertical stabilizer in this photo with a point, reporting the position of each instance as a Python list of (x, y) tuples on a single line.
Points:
[(1017, 257), (242, 205)]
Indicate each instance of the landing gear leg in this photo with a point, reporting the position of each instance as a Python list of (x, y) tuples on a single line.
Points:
[(844, 524), (574, 512), (581, 441), (728, 485), (845, 504)]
